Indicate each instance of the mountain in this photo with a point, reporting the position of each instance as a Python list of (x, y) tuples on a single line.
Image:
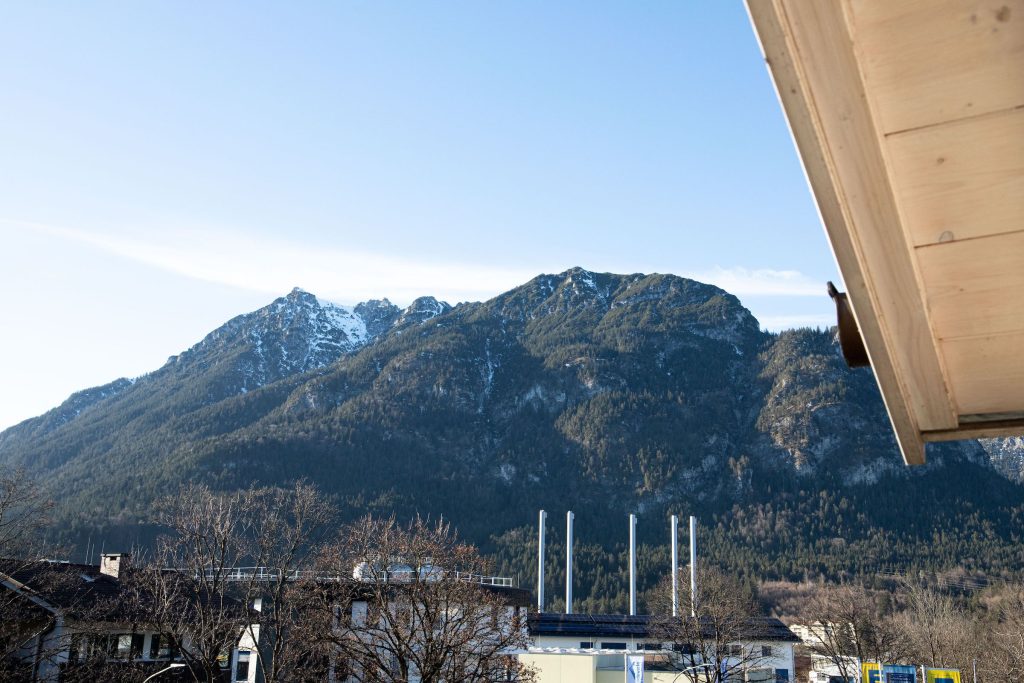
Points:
[(1007, 456), (601, 393)]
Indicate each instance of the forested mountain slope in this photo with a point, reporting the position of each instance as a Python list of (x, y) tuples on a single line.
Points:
[(605, 394)]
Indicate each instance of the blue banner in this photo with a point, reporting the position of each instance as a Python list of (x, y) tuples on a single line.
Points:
[(900, 673), (634, 669)]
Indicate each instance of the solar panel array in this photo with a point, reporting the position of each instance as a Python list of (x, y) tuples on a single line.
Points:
[(610, 625)]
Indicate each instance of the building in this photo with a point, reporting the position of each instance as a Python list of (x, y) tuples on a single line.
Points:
[(820, 668), (481, 620), (585, 648), (66, 621)]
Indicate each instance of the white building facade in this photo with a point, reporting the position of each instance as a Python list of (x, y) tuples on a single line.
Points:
[(582, 648)]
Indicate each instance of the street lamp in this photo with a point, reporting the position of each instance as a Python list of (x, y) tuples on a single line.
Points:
[(176, 665)]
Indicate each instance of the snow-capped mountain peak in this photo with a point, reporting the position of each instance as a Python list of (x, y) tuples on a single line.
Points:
[(421, 310), (344, 318)]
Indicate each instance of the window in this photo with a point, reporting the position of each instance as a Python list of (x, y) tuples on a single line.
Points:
[(138, 640), (735, 650), (613, 645), (782, 676), (121, 646), (242, 669), (359, 613), (685, 648), (587, 645), (99, 646), (766, 650), (161, 647), (78, 648)]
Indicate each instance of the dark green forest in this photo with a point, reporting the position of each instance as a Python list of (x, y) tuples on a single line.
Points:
[(604, 394)]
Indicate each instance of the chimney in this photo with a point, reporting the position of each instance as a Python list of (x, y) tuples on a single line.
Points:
[(675, 565), (112, 563), (568, 561), (540, 560), (693, 566), (632, 565)]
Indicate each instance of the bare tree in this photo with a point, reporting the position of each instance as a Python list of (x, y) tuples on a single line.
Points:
[(1003, 637), (187, 591), (24, 513), (941, 632), (848, 626), (409, 600), (715, 644), (24, 616), (290, 526), (235, 565)]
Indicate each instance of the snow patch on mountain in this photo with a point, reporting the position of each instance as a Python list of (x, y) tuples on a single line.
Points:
[(421, 310), (342, 319), (1007, 456)]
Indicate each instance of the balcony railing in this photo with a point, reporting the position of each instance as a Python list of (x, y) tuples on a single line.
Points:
[(398, 576)]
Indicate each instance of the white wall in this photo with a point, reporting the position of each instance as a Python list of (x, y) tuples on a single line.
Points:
[(569, 663)]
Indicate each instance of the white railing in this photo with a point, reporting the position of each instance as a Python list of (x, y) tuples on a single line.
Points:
[(270, 574), (260, 574), (484, 580), (432, 575)]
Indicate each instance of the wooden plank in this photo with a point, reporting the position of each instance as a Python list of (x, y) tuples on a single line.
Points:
[(871, 219), (988, 372), (979, 430), (930, 61), (809, 53), (975, 287), (779, 53), (961, 180), (990, 418)]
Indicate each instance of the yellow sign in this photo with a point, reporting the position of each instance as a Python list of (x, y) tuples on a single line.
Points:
[(942, 676), (871, 672)]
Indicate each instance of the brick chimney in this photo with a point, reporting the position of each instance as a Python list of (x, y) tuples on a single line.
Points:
[(111, 564)]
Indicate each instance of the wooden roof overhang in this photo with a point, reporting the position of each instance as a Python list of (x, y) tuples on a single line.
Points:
[(909, 118)]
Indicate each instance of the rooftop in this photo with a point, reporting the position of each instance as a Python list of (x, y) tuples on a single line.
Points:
[(638, 626), (909, 119)]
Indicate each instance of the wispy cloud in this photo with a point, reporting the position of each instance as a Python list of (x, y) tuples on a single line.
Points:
[(275, 266), (760, 282)]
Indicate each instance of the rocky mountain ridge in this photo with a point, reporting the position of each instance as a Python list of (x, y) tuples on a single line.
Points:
[(607, 393), (293, 334)]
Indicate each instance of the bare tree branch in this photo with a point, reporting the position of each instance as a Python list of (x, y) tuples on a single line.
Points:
[(406, 602)]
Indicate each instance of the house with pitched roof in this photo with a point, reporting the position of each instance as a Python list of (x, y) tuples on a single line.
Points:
[(65, 621)]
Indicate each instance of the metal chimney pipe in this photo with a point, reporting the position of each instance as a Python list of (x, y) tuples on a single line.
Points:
[(632, 565), (693, 566), (568, 561), (542, 522), (675, 565)]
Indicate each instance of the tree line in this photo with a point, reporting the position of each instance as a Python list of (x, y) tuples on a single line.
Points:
[(398, 575), (912, 620), (369, 601)]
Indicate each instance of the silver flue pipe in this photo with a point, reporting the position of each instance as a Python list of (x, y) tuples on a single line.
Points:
[(693, 566), (568, 561), (632, 565), (542, 523), (675, 565)]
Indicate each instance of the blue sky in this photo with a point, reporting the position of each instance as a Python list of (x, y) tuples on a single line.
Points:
[(166, 166)]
